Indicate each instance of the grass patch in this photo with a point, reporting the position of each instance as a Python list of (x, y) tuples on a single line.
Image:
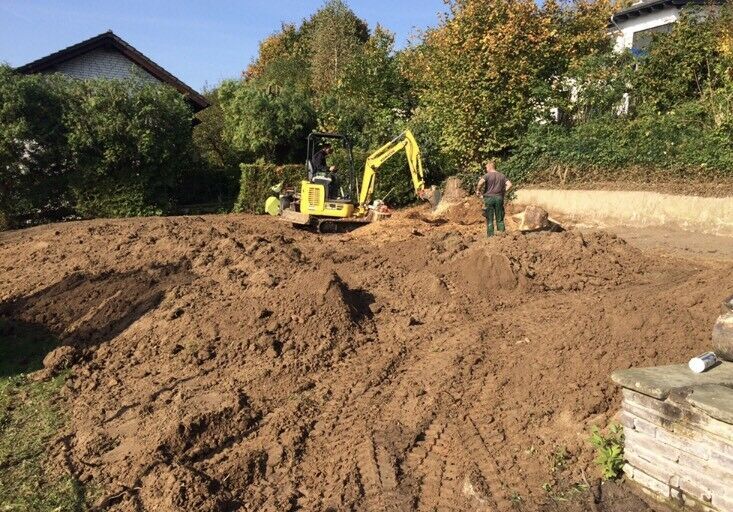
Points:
[(30, 415)]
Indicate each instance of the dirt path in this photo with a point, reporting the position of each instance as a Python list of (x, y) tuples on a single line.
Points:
[(678, 242), (232, 363)]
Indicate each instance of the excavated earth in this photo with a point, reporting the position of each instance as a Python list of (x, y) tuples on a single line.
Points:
[(235, 363)]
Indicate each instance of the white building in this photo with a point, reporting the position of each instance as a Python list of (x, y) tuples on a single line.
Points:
[(108, 56), (635, 26)]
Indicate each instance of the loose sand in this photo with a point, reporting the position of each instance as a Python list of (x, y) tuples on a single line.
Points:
[(235, 363)]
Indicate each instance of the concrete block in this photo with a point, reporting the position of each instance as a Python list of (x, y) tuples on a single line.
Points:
[(647, 414), (644, 445), (676, 493), (645, 427), (658, 382), (661, 408), (628, 470), (715, 400), (691, 503), (651, 483), (690, 475), (718, 479), (626, 419), (722, 461), (696, 490), (693, 446), (661, 469), (669, 416), (717, 427), (715, 443)]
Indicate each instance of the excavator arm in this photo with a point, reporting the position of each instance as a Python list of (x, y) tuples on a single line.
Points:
[(404, 141)]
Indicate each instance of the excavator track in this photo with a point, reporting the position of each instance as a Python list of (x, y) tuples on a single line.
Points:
[(332, 226)]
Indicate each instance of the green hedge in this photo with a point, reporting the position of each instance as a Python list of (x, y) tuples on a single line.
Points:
[(682, 144), (90, 148), (257, 180), (202, 184)]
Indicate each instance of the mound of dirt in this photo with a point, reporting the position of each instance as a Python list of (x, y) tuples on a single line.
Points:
[(60, 359), (233, 363), (568, 261)]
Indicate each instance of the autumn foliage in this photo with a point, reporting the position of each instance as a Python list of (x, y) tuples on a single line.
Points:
[(493, 79), (488, 71)]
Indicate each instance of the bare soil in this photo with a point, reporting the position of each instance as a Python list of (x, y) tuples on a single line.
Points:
[(235, 363)]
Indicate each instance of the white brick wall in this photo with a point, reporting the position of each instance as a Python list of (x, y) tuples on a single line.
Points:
[(102, 63), (677, 452)]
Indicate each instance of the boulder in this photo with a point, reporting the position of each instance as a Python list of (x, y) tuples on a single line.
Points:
[(536, 218), (723, 332)]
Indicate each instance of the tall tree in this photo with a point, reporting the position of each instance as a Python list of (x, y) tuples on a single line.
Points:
[(333, 35), (485, 72), (282, 45), (372, 96)]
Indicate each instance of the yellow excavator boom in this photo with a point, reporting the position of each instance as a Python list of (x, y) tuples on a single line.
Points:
[(405, 140)]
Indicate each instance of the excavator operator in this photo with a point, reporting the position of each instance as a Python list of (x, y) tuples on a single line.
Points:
[(319, 162)]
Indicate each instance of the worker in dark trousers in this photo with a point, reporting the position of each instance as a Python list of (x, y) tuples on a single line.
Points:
[(493, 186)]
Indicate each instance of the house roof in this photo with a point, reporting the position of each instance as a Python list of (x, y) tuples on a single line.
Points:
[(650, 6), (109, 40)]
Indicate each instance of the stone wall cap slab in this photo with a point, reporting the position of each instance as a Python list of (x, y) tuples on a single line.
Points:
[(715, 400), (659, 381)]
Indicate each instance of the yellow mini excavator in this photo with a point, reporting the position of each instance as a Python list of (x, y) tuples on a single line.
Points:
[(332, 209)]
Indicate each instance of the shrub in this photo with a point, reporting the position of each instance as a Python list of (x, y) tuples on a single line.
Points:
[(94, 148), (202, 184), (33, 151), (266, 121), (679, 145), (610, 450), (128, 144), (258, 179)]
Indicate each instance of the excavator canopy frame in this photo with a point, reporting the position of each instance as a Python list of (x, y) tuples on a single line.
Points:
[(313, 145)]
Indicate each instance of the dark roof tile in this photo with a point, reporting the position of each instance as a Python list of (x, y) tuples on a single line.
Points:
[(110, 40)]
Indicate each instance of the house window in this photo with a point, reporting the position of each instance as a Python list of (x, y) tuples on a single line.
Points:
[(643, 38)]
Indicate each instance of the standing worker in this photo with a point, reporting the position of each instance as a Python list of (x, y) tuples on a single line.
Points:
[(493, 186)]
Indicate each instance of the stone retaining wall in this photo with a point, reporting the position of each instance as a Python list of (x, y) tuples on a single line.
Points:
[(710, 215), (679, 434)]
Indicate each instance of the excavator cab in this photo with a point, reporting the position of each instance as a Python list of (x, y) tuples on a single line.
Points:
[(320, 194), (346, 177)]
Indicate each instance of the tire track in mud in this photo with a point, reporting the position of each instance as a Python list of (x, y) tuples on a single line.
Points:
[(378, 476), (340, 422)]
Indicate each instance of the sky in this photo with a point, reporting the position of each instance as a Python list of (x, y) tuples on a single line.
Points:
[(201, 42)]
